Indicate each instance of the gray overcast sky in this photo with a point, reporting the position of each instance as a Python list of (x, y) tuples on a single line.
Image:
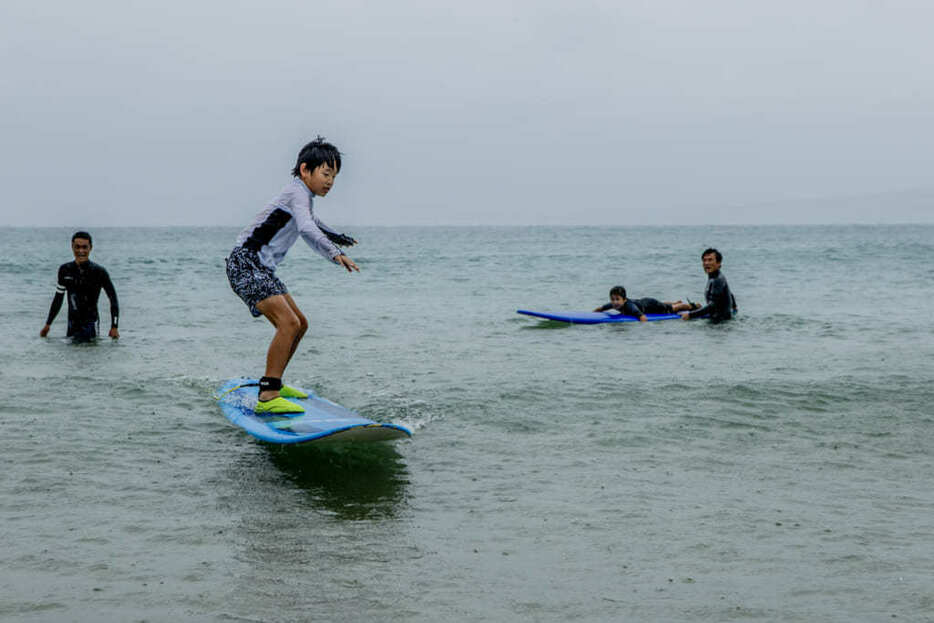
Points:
[(487, 112)]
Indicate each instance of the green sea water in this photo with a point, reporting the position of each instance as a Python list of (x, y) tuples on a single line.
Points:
[(774, 468)]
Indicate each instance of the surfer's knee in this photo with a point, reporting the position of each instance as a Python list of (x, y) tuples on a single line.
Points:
[(289, 324)]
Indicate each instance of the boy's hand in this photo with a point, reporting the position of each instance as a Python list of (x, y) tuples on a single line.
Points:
[(347, 263), (114, 333), (44, 331), (685, 315)]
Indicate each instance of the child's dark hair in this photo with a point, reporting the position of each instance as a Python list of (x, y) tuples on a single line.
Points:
[(83, 235), (716, 253), (619, 291), (316, 153)]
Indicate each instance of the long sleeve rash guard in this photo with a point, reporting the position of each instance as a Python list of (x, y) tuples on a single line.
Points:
[(289, 215)]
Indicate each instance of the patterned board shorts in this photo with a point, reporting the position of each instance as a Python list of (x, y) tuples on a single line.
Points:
[(251, 280)]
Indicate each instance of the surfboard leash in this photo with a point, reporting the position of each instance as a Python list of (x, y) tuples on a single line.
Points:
[(233, 389)]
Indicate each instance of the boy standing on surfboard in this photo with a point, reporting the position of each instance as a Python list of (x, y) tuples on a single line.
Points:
[(263, 244)]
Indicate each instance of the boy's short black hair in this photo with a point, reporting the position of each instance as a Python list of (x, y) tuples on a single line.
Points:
[(83, 235), (316, 153), (715, 252), (619, 291)]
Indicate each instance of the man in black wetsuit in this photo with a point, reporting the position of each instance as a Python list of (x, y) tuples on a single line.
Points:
[(721, 305), (82, 280)]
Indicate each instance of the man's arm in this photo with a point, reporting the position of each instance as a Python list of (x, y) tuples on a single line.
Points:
[(717, 299), (114, 305), (56, 305), (699, 312), (53, 312)]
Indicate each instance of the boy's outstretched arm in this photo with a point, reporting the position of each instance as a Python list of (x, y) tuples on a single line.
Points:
[(341, 240), (337, 238)]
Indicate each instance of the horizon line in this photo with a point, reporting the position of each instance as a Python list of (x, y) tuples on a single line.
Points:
[(510, 225)]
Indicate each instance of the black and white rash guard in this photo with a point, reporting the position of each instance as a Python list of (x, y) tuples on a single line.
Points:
[(289, 215), (82, 283)]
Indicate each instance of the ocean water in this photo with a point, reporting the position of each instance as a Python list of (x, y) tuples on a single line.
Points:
[(774, 468)]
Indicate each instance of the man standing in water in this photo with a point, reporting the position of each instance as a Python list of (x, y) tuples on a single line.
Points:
[(720, 302), (82, 280)]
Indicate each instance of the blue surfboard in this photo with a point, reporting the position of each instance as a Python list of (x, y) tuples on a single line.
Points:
[(322, 420), (584, 317)]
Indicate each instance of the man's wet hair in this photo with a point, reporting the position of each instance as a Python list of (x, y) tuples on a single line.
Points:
[(619, 291), (83, 235), (316, 153), (715, 252)]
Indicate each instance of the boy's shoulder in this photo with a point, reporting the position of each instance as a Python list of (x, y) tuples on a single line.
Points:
[(292, 191)]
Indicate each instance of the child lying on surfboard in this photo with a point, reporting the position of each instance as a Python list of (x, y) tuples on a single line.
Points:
[(638, 308)]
